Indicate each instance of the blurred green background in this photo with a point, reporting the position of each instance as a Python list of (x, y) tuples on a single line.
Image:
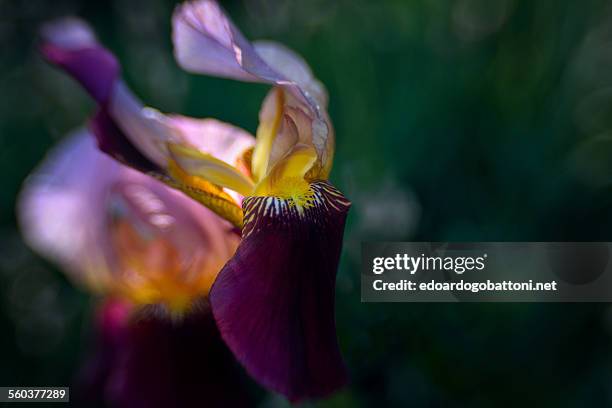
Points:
[(483, 120)]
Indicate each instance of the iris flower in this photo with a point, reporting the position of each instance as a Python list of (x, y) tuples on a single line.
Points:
[(150, 252), (273, 301)]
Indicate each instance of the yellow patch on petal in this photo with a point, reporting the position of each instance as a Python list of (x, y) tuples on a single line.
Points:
[(206, 193), (269, 122), (154, 273), (287, 178), (209, 168), (244, 162)]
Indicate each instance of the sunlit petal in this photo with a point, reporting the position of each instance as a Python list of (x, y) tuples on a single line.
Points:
[(207, 42), (138, 136), (270, 118), (113, 141), (288, 175), (141, 125), (218, 139), (210, 168), (293, 67), (206, 193)]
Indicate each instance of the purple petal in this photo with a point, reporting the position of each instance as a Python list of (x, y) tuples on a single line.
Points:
[(274, 300), (110, 325), (71, 45), (125, 129), (112, 141), (160, 363)]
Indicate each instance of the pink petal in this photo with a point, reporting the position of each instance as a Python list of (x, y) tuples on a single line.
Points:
[(219, 139), (60, 208), (68, 206)]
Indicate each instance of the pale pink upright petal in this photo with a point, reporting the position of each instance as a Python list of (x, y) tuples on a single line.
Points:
[(207, 42), (61, 212)]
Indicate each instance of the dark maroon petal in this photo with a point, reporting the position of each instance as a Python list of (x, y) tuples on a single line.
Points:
[(274, 300), (157, 362), (94, 67), (112, 141), (111, 323)]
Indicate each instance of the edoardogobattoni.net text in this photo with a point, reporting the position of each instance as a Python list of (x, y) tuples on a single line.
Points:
[(460, 286)]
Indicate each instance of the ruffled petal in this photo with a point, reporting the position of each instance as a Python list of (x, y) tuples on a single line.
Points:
[(207, 42), (293, 67), (274, 300)]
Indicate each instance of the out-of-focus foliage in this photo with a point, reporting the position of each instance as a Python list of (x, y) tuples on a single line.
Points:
[(455, 120)]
